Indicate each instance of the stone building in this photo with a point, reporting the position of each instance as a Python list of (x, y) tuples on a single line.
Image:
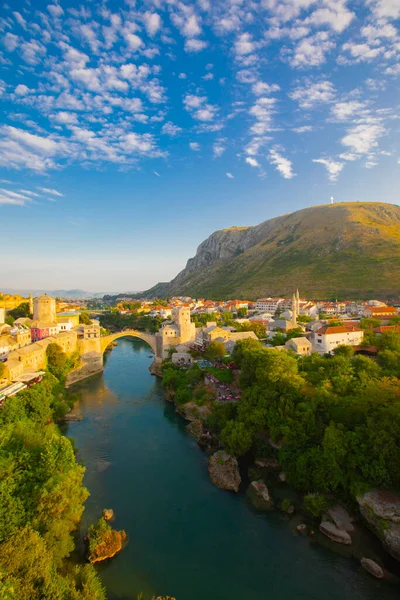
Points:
[(44, 309), (179, 330)]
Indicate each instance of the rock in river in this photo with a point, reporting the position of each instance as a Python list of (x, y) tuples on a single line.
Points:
[(259, 495), (334, 533), (195, 428), (381, 509), (341, 517), (108, 514), (372, 567), (104, 542), (224, 471)]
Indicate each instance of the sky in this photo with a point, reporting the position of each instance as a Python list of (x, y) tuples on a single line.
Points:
[(132, 130)]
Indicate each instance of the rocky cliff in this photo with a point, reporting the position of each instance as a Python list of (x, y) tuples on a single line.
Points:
[(346, 249)]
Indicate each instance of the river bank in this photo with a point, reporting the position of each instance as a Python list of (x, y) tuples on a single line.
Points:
[(187, 538)]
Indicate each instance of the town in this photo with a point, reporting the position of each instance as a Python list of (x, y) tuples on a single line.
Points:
[(180, 328)]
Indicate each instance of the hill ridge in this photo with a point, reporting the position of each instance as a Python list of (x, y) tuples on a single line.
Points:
[(345, 249)]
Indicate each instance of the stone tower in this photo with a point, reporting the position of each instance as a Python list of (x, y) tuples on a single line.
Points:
[(297, 302), (30, 304), (44, 309), (187, 329)]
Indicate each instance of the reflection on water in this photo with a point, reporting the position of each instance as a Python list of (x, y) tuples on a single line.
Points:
[(186, 537)]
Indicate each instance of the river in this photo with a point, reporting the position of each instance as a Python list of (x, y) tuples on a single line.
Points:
[(187, 538)]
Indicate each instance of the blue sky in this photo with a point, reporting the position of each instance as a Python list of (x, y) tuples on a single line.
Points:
[(131, 130)]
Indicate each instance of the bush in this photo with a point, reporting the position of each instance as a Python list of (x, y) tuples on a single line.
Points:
[(316, 504)]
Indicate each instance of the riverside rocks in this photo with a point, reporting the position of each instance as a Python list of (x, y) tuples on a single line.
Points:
[(342, 519), (334, 533), (259, 495), (195, 428), (108, 514), (267, 463), (104, 542), (381, 510), (224, 471), (191, 411), (372, 567)]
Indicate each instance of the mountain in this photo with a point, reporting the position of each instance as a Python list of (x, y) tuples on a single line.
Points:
[(67, 294), (348, 249)]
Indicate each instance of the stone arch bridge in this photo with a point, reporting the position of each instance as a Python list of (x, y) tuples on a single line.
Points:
[(150, 339)]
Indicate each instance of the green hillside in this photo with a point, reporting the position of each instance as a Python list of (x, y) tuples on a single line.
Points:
[(346, 249)]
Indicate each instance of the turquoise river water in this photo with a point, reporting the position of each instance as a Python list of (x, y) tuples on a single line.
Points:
[(187, 538)]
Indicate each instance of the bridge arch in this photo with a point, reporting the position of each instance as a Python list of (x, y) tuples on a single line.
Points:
[(146, 337)]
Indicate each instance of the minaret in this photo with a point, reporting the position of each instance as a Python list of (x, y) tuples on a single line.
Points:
[(30, 304), (294, 311), (297, 302)]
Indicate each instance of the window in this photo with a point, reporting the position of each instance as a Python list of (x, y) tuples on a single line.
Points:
[(319, 341)]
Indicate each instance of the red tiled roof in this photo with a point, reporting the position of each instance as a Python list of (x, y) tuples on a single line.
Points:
[(328, 330), (384, 328)]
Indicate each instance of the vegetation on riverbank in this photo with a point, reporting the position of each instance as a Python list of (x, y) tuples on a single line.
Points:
[(41, 497)]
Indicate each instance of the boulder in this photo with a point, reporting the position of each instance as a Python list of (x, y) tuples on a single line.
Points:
[(282, 477), (259, 495), (196, 429), (381, 510), (192, 412), (334, 533), (104, 542), (108, 514), (302, 528), (341, 517), (372, 567), (224, 471)]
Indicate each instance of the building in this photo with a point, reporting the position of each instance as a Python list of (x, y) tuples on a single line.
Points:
[(327, 338), (268, 305), (180, 329), (44, 309), (380, 312), (41, 330), (300, 345)]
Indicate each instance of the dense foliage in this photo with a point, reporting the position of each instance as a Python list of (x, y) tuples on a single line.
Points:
[(41, 501), (336, 419), (16, 313), (114, 321)]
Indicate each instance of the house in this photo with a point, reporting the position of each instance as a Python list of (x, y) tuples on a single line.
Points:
[(41, 330), (268, 305), (300, 345), (380, 312), (385, 328), (327, 338)]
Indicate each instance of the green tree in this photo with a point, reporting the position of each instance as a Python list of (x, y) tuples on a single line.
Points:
[(343, 350), (84, 319), (215, 350), (236, 438), (57, 360), (20, 311)]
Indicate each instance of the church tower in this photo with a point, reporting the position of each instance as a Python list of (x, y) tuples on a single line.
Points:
[(30, 305)]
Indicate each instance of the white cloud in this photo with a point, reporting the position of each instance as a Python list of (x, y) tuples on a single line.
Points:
[(283, 165), (385, 9), (311, 51), (333, 167), (229, 175), (134, 41), (219, 147), (50, 191), (260, 88), (195, 45), (364, 137), (22, 90), (171, 129), (252, 162), (152, 22), (13, 198), (55, 10), (336, 16), (312, 93), (362, 52), (20, 19), (343, 111), (244, 44), (43, 144), (263, 111), (303, 129), (191, 28), (10, 41), (194, 146)]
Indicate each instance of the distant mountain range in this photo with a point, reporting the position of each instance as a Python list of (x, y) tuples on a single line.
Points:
[(67, 294), (350, 249)]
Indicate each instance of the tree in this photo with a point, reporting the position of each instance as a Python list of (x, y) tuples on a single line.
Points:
[(20, 311), (215, 350), (236, 438), (57, 360), (84, 319), (343, 350), (242, 312), (2, 370)]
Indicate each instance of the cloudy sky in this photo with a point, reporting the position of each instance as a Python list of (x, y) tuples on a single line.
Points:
[(131, 130)]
